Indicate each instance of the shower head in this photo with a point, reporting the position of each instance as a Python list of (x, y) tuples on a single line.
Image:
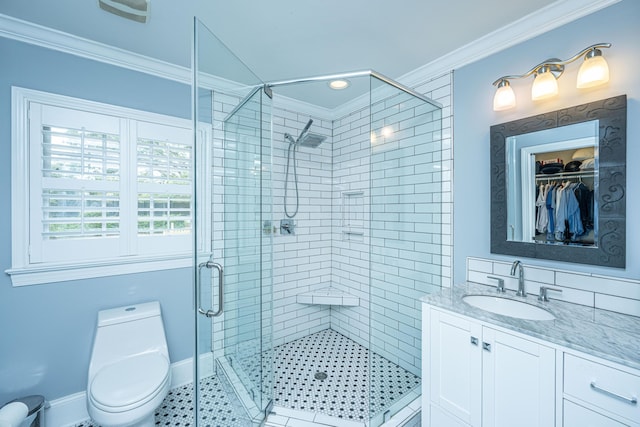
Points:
[(311, 139), (306, 138)]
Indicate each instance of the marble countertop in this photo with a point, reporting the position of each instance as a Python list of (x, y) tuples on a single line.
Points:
[(605, 334)]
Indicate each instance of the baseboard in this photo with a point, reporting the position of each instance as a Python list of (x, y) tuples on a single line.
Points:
[(67, 411), (70, 410), (182, 371)]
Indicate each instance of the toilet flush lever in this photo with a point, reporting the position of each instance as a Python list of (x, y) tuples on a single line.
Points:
[(211, 313)]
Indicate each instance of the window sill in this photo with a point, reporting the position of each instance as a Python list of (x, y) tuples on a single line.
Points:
[(51, 273)]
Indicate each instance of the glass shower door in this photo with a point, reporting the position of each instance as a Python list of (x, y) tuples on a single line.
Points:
[(232, 268), (247, 250)]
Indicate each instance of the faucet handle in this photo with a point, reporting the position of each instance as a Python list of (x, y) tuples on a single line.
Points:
[(542, 296), (500, 287)]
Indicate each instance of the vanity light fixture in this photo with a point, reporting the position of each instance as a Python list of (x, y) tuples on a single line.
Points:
[(594, 71), (339, 84)]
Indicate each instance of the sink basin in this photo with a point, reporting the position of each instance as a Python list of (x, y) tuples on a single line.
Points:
[(508, 307)]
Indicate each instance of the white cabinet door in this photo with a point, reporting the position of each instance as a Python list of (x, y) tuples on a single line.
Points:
[(518, 386), (440, 418), (484, 377), (455, 366)]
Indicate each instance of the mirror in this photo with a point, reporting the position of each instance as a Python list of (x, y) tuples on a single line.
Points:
[(558, 185), (551, 185)]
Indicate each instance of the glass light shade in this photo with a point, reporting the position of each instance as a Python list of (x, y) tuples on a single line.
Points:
[(504, 98), (594, 71), (544, 86)]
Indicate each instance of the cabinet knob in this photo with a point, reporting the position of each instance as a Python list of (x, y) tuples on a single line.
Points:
[(486, 346), (474, 340)]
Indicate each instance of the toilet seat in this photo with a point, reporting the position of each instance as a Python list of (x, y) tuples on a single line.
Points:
[(129, 383)]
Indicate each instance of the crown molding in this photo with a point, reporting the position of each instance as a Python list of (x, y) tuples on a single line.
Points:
[(539, 22), (28, 32), (548, 18)]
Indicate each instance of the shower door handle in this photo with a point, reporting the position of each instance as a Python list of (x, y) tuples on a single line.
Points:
[(211, 313)]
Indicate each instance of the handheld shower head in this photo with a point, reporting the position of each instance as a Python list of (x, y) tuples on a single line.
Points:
[(306, 138), (304, 131)]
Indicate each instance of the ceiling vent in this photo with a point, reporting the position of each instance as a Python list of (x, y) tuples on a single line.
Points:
[(136, 10)]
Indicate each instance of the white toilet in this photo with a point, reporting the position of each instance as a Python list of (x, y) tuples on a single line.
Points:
[(129, 373)]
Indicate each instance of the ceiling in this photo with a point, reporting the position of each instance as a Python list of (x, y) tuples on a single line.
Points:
[(285, 39)]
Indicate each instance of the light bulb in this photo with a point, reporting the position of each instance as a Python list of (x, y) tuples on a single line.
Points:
[(544, 85), (594, 70), (504, 97)]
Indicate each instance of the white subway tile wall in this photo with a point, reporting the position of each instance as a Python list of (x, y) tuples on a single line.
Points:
[(440, 89), (607, 293), (350, 254), (395, 162), (406, 218), (302, 261)]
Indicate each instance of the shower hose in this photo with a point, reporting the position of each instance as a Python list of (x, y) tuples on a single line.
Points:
[(295, 179)]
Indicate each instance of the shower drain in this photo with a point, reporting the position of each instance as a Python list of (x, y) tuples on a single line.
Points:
[(320, 376)]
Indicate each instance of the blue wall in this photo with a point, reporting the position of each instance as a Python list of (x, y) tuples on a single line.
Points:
[(473, 115), (46, 331)]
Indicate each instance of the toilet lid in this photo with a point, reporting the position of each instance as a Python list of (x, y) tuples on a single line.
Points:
[(129, 380)]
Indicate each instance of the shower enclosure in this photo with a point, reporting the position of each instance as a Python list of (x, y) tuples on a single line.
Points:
[(312, 311)]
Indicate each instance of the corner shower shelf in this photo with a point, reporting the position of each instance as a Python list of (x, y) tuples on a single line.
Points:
[(328, 296)]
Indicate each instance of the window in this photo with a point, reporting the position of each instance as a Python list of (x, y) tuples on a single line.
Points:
[(98, 189)]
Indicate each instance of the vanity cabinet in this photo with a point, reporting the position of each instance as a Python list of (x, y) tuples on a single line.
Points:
[(481, 376), (597, 394), (478, 373)]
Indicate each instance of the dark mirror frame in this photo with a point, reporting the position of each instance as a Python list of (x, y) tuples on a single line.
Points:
[(611, 205)]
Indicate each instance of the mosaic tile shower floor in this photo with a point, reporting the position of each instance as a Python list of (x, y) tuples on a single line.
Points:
[(344, 393)]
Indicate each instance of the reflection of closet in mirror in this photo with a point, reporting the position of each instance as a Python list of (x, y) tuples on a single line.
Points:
[(553, 183)]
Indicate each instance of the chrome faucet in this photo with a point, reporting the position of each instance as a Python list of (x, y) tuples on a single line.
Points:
[(518, 265)]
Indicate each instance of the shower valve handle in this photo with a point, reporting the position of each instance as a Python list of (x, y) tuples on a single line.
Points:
[(287, 226)]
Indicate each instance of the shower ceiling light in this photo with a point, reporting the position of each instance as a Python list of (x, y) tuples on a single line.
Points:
[(339, 84), (593, 72)]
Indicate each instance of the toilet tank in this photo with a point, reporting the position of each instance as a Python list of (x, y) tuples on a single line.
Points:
[(126, 331)]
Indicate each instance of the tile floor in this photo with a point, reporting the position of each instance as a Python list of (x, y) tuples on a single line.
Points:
[(350, 371), (217, 409)]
